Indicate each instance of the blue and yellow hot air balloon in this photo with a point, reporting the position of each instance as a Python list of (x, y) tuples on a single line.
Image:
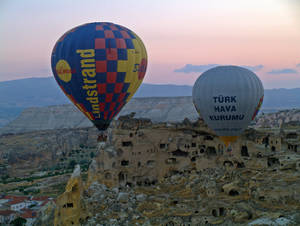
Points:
[(99, 66)]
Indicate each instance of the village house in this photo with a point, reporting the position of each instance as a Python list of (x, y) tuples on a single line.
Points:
[(29, 215), (6, 216), (22, 206), (40, 201), (18, 203)]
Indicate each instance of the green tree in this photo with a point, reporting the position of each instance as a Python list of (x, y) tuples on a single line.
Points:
[(30, 179), (19, 221), (72, 163), (92, 155), (5, 177)]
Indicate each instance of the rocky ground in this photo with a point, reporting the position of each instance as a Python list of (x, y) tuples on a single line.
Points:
[(277, 119), (216, 196), (24, 154), (40, 163), (259, 186)]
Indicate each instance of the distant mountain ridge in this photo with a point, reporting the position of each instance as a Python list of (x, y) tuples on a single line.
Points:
[(17, 95), (158, 109)]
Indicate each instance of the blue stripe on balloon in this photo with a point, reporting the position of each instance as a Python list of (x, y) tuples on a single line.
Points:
[(117, 34), (100, 54), (129, 43), (106, 27), (115, 97), (110, 43), (110, 87), (101, 98), (111, 66), (120, 77), (101, 77), (131, 34), (106, 107), (99, 34), (122, 54), (125, 87)]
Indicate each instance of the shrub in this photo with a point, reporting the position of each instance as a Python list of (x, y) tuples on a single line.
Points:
[(72, 163), (92, 154)]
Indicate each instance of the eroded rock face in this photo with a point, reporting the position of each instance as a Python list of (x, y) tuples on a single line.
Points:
[(279, 119), (158, 109), (172, 174), (25, 153), (70, 208), (46, 215)]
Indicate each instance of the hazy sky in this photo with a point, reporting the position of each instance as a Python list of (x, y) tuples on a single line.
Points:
[(183, 37)]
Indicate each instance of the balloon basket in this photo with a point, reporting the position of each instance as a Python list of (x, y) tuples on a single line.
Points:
[(102, 139), (227, 140)]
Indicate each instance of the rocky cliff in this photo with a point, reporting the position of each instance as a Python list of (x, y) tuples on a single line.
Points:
[(279, 119), (181, 174), (158, 109)]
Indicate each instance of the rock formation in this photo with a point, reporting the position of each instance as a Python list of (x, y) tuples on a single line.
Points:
[(278, 119), (70, 207), (158, 109), (181, 174), (27, 153)]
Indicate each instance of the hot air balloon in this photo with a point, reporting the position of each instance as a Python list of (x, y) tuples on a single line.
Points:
[(228, 99), (99, 66)]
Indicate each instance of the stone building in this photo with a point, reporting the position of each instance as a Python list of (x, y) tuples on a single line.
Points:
[(181, 174), (143, 153)]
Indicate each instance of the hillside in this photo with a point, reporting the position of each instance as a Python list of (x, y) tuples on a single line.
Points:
[(181, 174), (17, 95), (279, 119), (152, 173), (158, 109)]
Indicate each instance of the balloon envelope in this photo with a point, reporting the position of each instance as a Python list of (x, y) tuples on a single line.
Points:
[(228, 99), (99, 66)]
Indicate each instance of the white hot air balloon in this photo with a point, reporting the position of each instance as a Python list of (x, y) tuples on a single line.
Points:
[(228, 99)]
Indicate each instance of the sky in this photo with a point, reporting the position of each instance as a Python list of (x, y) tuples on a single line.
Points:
[(183, 38)]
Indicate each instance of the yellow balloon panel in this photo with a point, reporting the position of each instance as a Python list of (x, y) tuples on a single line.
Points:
[(134, 66)]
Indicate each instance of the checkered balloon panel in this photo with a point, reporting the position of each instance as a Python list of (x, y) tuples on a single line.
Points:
[(99, 66)]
